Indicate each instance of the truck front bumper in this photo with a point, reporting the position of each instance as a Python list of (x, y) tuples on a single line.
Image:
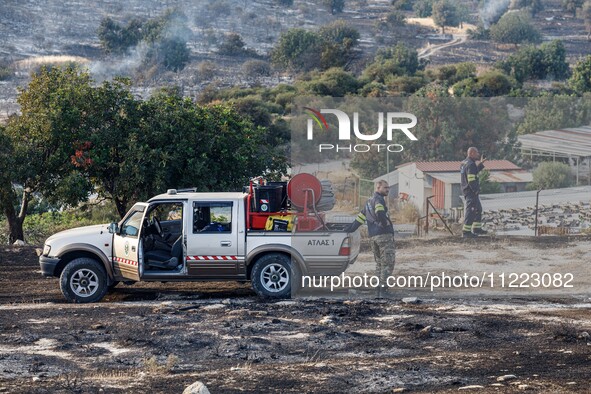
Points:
[(48, 265)]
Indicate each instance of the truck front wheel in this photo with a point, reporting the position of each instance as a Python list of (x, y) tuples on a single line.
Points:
[(274, 276), (83, 280)]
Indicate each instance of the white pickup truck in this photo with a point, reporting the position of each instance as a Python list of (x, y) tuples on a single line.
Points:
[(188, 236)]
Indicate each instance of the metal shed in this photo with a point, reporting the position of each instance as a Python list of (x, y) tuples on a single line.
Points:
[(573, 144)]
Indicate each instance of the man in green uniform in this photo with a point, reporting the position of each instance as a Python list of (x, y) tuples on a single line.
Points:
[(381, 232)]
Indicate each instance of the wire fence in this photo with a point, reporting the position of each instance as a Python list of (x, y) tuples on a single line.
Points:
[(530, 213), (366, 190), (524, 213)]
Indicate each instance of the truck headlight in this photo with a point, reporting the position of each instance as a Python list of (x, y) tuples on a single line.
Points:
[(46, 250)]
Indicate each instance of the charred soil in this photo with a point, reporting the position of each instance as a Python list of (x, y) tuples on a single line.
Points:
[(154, 337)]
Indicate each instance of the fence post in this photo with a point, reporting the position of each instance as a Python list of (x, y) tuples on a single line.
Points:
[(536, 224), (427, 218)]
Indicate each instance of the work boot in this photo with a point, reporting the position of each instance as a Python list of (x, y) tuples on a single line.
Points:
[(468, 234), (480, 231)]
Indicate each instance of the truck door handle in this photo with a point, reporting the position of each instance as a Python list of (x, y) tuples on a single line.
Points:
[(225, 243), (133, 248)]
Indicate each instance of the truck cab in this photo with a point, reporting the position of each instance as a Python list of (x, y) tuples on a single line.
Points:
[(189, 236)]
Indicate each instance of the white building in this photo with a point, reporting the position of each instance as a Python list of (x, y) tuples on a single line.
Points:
[(416, 181)]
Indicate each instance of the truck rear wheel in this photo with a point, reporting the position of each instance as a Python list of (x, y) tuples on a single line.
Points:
[(274, 276), (83, 280)]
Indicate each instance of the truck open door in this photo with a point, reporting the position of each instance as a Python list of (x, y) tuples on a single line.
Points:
[(126, 244)]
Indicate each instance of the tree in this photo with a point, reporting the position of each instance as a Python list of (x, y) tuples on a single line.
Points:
[(302, 50), (447, 128), (554, 54), (423, 8), (394, 20), (554, 113), (572, 6), (7, 193), (445, 13), (333, 82), (55, 108), (233, 45), (335, 6), (398, 60), (580, 80), (452, 73), (514, 28), (338, 41), (117, 39), (166, 37), (490, 84), (402, 5), (112, 36), (138, 147), (550, 175), (529, 62), (113, 156), (170, 53), (532, 6), (297, 49), (256, 68), (486, 185)]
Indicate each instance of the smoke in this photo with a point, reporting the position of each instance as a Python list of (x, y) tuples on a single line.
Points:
[(135, 57), (492, 10), (125, 65)]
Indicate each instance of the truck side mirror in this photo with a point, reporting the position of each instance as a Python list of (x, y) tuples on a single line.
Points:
[(113, 228)]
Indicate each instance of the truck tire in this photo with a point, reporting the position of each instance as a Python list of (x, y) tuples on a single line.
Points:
[(83, 280), (112, 286), (274, 276)]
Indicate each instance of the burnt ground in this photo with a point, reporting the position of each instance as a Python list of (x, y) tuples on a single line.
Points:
[(162, 337)]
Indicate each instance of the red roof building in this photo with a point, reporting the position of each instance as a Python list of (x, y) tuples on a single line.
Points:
[(441, 179)]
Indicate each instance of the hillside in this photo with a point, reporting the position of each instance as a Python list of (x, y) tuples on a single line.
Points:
[(36, 29)]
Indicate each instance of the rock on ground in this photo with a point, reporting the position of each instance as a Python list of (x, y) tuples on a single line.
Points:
[(196, 388)]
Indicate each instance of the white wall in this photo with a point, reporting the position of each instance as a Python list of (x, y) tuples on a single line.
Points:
[(410, 181)]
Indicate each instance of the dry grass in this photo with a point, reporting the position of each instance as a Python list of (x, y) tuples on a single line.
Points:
[(40, 60), (152, 366), (428, 22), (407, 213)]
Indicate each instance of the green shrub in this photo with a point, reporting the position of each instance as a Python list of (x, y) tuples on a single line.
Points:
[(6, 72), (551, 175), (39, 226)]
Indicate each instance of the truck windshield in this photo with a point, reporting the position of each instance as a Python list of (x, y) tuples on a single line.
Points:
[(131, 225)]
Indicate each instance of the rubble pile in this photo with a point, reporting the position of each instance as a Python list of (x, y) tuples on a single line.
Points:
[(572, 216)]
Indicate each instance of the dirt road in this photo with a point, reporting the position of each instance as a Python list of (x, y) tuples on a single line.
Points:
[(431, 49), (162, 337)]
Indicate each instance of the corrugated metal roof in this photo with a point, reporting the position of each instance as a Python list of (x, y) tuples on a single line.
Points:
[(517, 176), (511, 176), (449, 166), (574, 141), (447, 177)]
